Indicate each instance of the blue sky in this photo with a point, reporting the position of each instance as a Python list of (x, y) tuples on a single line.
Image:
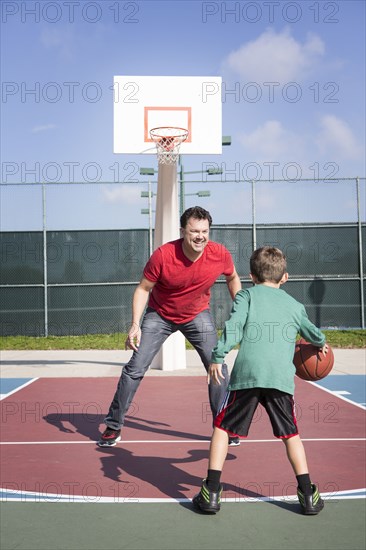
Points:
[(293, 102)]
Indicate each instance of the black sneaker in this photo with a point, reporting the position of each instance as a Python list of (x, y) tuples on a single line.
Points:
[(109, 438), (234, 441), (310, 504), (208, 501)]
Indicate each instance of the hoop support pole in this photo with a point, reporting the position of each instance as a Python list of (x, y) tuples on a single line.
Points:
[(172, 355)]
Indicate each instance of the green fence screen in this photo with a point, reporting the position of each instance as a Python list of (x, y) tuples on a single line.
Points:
[(85, 281)]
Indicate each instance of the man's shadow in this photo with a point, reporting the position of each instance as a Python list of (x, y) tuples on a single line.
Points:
[(89, 425), (316, 293)]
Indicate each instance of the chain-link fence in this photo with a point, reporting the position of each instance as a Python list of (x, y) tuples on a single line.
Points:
[(71, 282)]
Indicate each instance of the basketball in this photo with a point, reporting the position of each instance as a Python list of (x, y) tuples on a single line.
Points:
[(310, 362)]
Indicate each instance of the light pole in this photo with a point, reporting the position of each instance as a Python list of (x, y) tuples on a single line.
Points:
[(226, 140), (209, 171), (148, 194), (182, 194)]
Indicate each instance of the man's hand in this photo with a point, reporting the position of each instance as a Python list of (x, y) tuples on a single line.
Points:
[(214, 374), (133, 338)]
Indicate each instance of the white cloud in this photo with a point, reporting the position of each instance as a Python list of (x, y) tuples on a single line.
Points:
[(276, 57), (126, 194), (336, 139), (42, 128), (61, 40), (65, 41), (272, 142)]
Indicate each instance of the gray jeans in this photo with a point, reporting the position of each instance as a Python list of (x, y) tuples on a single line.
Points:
[(200, 332)]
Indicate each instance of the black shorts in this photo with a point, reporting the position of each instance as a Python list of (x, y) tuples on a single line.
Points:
[(237, 411)]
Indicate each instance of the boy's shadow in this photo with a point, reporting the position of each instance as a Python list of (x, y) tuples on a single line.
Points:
[(163, 473), (160, 472)]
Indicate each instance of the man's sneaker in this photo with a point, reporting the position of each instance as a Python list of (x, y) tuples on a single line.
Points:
[(310, 504), (208, 501), (234, 441), (109, 438)]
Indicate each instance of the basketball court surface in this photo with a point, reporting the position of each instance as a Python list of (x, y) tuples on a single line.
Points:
[(59, 490)]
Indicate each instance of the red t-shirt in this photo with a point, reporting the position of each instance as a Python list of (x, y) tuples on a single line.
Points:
[(182, 288)]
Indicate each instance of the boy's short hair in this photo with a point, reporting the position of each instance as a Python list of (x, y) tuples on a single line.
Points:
[(268, 264), (196, 212)]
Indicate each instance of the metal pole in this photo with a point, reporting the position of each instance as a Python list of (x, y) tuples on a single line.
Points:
[(360, 253), (181, 187), (150, 221), (45, 279), (254, 217), (172, 355)]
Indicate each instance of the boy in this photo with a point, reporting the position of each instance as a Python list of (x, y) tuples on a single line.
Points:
[(265, 320)]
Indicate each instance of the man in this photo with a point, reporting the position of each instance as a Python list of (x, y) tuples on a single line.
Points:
[(176, 284)]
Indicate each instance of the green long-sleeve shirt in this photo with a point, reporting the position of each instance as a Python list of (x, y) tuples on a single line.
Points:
[(265, 321)]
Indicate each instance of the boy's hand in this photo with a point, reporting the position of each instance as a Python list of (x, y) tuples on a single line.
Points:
[(325, 349), (214, 374)]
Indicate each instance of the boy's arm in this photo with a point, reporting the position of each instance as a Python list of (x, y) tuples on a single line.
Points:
[(232, 335), (233, 329), (310, 332)]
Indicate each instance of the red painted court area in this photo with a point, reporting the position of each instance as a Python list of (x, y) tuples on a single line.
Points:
[(49, 429)]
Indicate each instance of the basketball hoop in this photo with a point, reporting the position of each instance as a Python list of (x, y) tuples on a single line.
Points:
[(168, 140)]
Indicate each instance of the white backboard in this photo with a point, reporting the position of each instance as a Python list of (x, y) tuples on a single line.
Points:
[(145, 102)]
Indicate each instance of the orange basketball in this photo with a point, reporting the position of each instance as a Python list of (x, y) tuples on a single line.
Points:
[(310, 362)]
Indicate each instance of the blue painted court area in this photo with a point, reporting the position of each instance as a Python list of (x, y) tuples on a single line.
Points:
[(352, 387), (11, 385)]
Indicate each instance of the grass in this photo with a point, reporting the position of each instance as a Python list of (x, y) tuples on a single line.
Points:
[(346, 339)]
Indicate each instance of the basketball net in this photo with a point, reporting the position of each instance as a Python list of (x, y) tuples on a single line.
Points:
[(168, 141)]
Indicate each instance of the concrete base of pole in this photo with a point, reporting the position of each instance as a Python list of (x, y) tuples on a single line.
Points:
[(173, 354)]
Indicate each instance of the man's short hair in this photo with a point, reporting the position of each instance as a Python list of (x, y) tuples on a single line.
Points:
[(268, 264), (195, 212)]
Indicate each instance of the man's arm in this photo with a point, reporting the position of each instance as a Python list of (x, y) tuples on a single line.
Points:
[(233, 283), (139, 301)]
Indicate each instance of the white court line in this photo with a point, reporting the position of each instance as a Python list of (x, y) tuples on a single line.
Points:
[(338, 394), (151, 441), (29, 496), (5, 395)]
